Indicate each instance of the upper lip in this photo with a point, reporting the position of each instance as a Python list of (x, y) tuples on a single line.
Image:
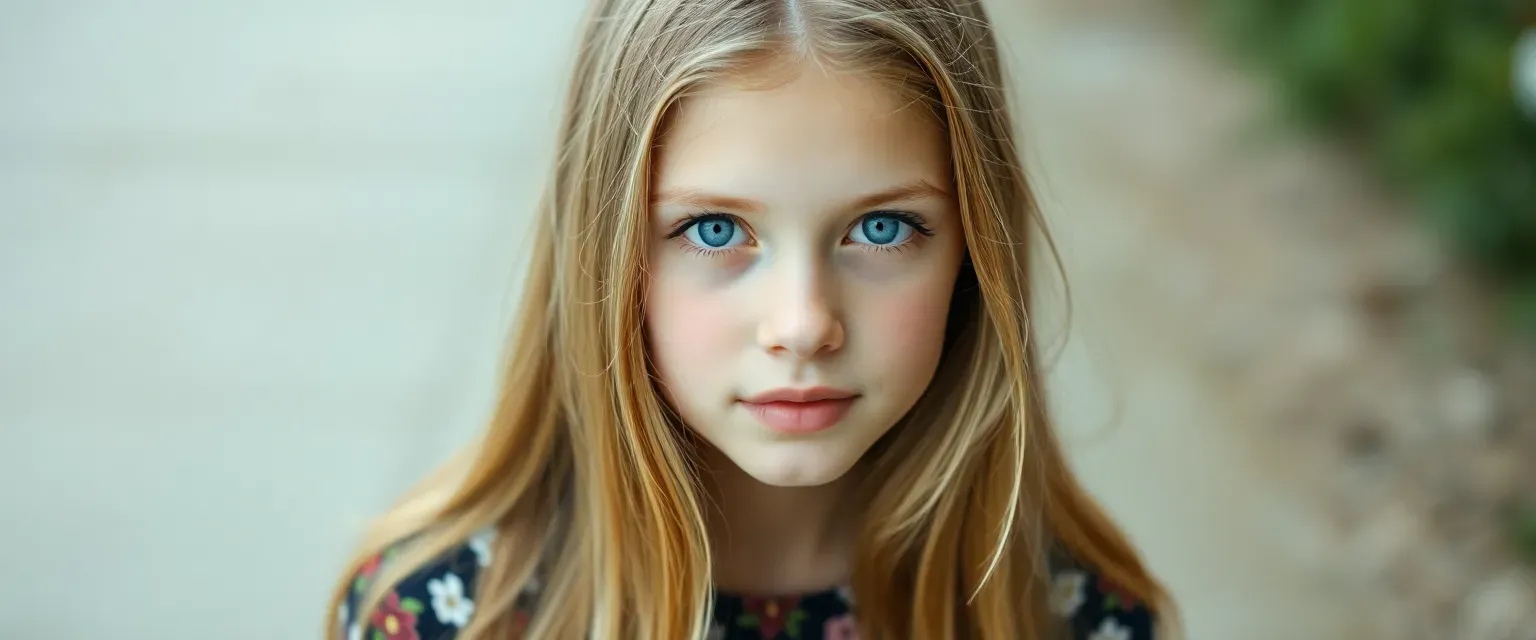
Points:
[(806, 394)]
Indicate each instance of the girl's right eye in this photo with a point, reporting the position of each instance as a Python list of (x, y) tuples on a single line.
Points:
[(713, 232)]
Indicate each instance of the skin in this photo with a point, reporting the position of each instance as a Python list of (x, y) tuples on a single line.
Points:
[(795, 272)]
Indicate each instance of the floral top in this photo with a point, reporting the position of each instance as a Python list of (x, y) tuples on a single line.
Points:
[(436, 601)]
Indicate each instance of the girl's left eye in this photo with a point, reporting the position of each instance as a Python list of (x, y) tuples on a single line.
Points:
[(882, 230)]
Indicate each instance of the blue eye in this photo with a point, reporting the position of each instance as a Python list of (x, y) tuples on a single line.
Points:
[(715, 232), (881, 229)]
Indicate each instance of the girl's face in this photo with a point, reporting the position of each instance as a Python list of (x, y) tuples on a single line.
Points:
[(805, 249)]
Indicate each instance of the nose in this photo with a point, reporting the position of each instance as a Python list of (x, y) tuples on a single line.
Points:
[(801, 319)]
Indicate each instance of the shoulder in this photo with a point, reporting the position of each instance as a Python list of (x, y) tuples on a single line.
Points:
[(433, 602), (1096, 608)]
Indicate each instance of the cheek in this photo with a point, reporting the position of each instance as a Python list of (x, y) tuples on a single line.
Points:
[(907, 326), (690, 331)]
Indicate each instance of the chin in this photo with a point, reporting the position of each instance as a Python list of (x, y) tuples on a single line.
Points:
[(794, 466)]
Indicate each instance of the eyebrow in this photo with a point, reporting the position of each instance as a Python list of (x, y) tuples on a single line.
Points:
[(914, 190)]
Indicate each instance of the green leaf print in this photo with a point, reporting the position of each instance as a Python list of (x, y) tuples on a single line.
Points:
[(792, 625), (747, 621), (359, 584), (412, 605), (378, 635)]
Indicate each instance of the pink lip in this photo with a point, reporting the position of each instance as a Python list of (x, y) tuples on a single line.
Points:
[(808, 394), (800, 411)]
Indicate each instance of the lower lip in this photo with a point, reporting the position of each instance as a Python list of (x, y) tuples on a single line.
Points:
[(800, 417)]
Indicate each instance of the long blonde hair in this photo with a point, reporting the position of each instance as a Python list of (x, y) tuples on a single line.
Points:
[(586, 473)]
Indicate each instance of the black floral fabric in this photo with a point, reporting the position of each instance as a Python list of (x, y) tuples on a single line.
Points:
[(436, 601)]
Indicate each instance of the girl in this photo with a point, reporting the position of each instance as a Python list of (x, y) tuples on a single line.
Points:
[(773, 378)]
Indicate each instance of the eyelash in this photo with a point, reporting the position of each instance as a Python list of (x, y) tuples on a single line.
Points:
[(694, 218)]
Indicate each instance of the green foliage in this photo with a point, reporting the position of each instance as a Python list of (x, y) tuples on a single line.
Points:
[(1424, 87), (1523, 530)]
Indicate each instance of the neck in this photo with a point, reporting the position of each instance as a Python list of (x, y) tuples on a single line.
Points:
[(777, 540)]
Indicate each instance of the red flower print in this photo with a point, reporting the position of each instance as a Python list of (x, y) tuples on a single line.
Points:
[(519, 624), (843, 627), (393, 621), (772, 615), (365, 574)]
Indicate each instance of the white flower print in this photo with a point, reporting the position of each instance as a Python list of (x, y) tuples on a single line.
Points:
[(1067, 592), (448, 600), (1110, 630), (533, 586), (481, 545), (353, 630), (846, 593)]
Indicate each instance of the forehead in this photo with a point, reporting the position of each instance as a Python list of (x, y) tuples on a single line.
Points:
[(810, 136)]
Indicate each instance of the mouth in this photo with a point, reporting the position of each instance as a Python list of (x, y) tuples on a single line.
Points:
[(800, 411)]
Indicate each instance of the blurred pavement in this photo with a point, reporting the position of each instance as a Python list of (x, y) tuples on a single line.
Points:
[(256, 261)]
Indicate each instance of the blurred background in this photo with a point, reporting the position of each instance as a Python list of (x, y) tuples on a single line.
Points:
[(256, 262)]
